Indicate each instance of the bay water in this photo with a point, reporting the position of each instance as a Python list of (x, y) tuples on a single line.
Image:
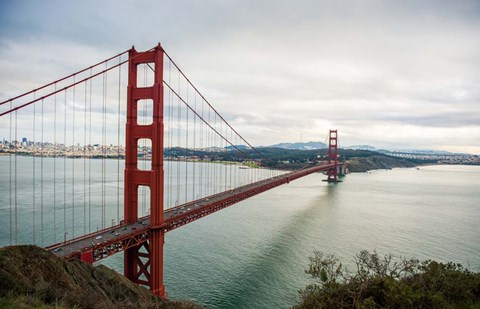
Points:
[(253, 254)]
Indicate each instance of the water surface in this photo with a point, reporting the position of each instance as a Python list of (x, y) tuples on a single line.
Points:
[(253, 254)]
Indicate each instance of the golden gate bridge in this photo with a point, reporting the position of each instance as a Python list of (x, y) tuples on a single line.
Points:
[(74, 188)]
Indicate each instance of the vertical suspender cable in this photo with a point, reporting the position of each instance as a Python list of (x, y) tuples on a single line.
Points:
[(194, 144), (231, 166), (105, 151), (210, 166), (223, 166), (55, 168), (178, 144), (10, 176), (202, 146), (216, 156), (65, 165), (216, 173), (167, 145), (186, 152), (41, 181), (170, 133), (90, 159), (118, 137), (235, 171), (214, 143), (73, 161), (166, 142), (34, 170), (207, 148), (104, 97), (16, 183), (226, 165), (85, 161)]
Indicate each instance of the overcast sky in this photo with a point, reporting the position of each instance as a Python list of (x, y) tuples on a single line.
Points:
[(397, 74)]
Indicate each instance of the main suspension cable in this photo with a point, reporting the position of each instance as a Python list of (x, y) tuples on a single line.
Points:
[(62, 79), (206, 101)]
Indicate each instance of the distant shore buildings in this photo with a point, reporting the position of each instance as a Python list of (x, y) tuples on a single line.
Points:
[(47, 149)]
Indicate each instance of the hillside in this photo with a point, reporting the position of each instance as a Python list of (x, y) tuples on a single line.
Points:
[(290, 159), (359, 164), (31, 277), (300, 146)]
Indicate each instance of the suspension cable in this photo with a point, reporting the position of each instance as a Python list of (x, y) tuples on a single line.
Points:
[(196, 113), (206, 101), (64, 78)]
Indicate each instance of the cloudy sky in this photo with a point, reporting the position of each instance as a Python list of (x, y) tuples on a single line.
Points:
[(397, 74)]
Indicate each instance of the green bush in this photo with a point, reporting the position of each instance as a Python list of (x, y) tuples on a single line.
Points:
[(385, 282)]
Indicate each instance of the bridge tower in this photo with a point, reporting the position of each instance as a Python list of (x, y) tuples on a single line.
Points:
[(332, 155), (143, 263)]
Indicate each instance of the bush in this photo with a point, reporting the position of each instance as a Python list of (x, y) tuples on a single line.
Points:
[(385, 282)]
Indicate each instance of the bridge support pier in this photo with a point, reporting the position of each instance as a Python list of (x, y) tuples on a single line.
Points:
[(143, 263)]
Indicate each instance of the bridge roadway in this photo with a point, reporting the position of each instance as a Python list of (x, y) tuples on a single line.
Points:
[(98, 245)]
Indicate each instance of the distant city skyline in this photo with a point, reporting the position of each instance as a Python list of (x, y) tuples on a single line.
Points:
[(393, 74), (24, 141)]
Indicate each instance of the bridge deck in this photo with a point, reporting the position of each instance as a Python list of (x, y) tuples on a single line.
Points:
[(96, 246)]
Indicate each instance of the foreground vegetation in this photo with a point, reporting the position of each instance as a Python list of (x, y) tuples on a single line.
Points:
[(31, 277), (384, 282)]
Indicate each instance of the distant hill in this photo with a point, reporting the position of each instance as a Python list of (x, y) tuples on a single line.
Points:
[(300, 146), (390, 151), (360, 147), (418, 151), (235, 147)]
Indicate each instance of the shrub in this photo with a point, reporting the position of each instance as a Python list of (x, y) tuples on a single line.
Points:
[(386, 282)]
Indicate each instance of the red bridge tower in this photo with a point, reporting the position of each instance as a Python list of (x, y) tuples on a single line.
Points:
[(144, 262), (332, 157)]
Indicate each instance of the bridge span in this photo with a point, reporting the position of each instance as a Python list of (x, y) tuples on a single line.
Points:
[(106, 242), (153, 107)]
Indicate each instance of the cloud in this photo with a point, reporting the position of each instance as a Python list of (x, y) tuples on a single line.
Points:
[(388, 73)]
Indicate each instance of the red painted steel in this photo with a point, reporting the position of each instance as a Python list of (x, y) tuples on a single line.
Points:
[(123, 237), (332, 156), (87, 256), (148, 273)]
